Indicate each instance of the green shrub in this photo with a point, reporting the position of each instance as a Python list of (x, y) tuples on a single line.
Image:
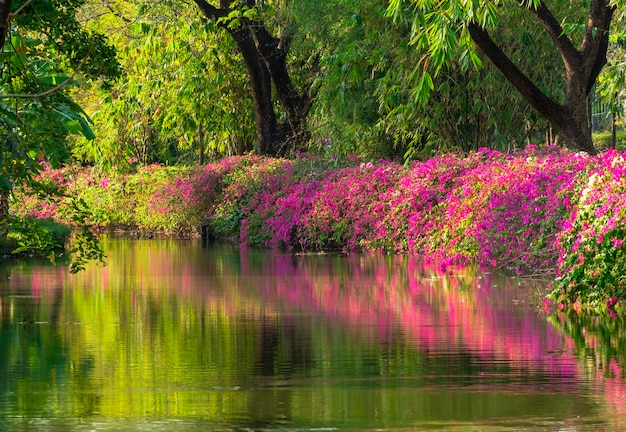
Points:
[(602, 140), (37, 236)]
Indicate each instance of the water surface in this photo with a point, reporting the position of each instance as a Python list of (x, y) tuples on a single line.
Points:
[(174, 336)]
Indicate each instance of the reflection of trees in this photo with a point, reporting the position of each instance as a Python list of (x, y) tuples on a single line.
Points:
[(599, 343), (166, 329), (34, 359), (284, 348)]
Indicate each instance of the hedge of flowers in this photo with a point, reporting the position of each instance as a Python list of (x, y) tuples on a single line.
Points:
[(548, 211)]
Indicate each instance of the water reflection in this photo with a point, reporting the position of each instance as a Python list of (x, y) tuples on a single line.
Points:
[(174, 336)]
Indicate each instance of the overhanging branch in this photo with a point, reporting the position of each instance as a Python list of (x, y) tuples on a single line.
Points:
[(529, 91), (37, 95), (563, 44)]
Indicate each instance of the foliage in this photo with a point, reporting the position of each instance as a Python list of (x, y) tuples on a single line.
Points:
[(513, 36), (592, 263), (248, 198), (37, 236), (611, 83), (185, 93), (603, 140), (181, 97), (370, 100), (46, 52)]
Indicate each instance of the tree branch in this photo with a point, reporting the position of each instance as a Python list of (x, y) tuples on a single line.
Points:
[(21, 8), (596, 41), (211, 11), (538, 99), (37, 95), (569, 54), (119, 15), (600, 15)]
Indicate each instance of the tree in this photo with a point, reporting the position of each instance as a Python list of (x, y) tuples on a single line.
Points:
[(580, 36), (44, 49), (184, 96), (369, 101), (265, 57)]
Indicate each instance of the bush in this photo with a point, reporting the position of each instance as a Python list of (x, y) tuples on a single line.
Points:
[(602, 140), (539, 211), (37, 236), (592, 256)]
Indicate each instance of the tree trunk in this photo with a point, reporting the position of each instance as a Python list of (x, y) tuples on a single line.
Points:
[(265, 59), (613, 131), (201, 145), (582, 66), (267, 130), (5, 17)]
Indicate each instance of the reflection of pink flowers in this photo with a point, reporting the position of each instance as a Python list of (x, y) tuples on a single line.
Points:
[(610, 307), (547, 305)]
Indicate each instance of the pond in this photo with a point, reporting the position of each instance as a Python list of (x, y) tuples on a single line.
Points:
[(174, 335)]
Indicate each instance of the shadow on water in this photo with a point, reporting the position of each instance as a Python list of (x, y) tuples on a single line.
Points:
[(171, 335)]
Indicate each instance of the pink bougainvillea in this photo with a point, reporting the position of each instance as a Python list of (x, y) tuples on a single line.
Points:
[(546, 211)]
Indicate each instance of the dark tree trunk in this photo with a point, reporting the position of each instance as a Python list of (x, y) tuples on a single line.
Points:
[(267, 129), (5, 16), (4, 213), (265, 58), (583, 65), (201, 145)]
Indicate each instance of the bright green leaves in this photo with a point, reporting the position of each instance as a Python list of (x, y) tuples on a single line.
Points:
[(46, 53), (424, 86), (439, 33), (184, 96), (239, 10)]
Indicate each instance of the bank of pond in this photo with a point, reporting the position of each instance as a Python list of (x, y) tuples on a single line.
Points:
[(541, 212)]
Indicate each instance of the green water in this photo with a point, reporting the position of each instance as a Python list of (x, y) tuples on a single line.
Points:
[(174, 336)]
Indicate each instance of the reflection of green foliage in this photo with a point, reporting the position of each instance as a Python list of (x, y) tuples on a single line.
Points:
[(186, 332), (599, 341)]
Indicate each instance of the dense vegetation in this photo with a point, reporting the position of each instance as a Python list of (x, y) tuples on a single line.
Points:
[(545, 212), (132, 98)]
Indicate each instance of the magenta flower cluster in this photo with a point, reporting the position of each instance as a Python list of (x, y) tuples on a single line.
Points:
[(543, 211)]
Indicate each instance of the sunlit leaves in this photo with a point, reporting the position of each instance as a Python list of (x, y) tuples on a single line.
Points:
[(185, 93)]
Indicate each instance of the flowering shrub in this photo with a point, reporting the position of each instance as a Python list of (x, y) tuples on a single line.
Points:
[(537, 211), (592, 259), (248, 197), (347, 207), (526, 211)]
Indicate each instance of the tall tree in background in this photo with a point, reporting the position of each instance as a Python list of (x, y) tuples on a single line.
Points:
[(265, 57), (579, 33), (372, 100)]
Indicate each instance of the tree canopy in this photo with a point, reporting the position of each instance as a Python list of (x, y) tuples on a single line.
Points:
[(46, 52), (577, 32)]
